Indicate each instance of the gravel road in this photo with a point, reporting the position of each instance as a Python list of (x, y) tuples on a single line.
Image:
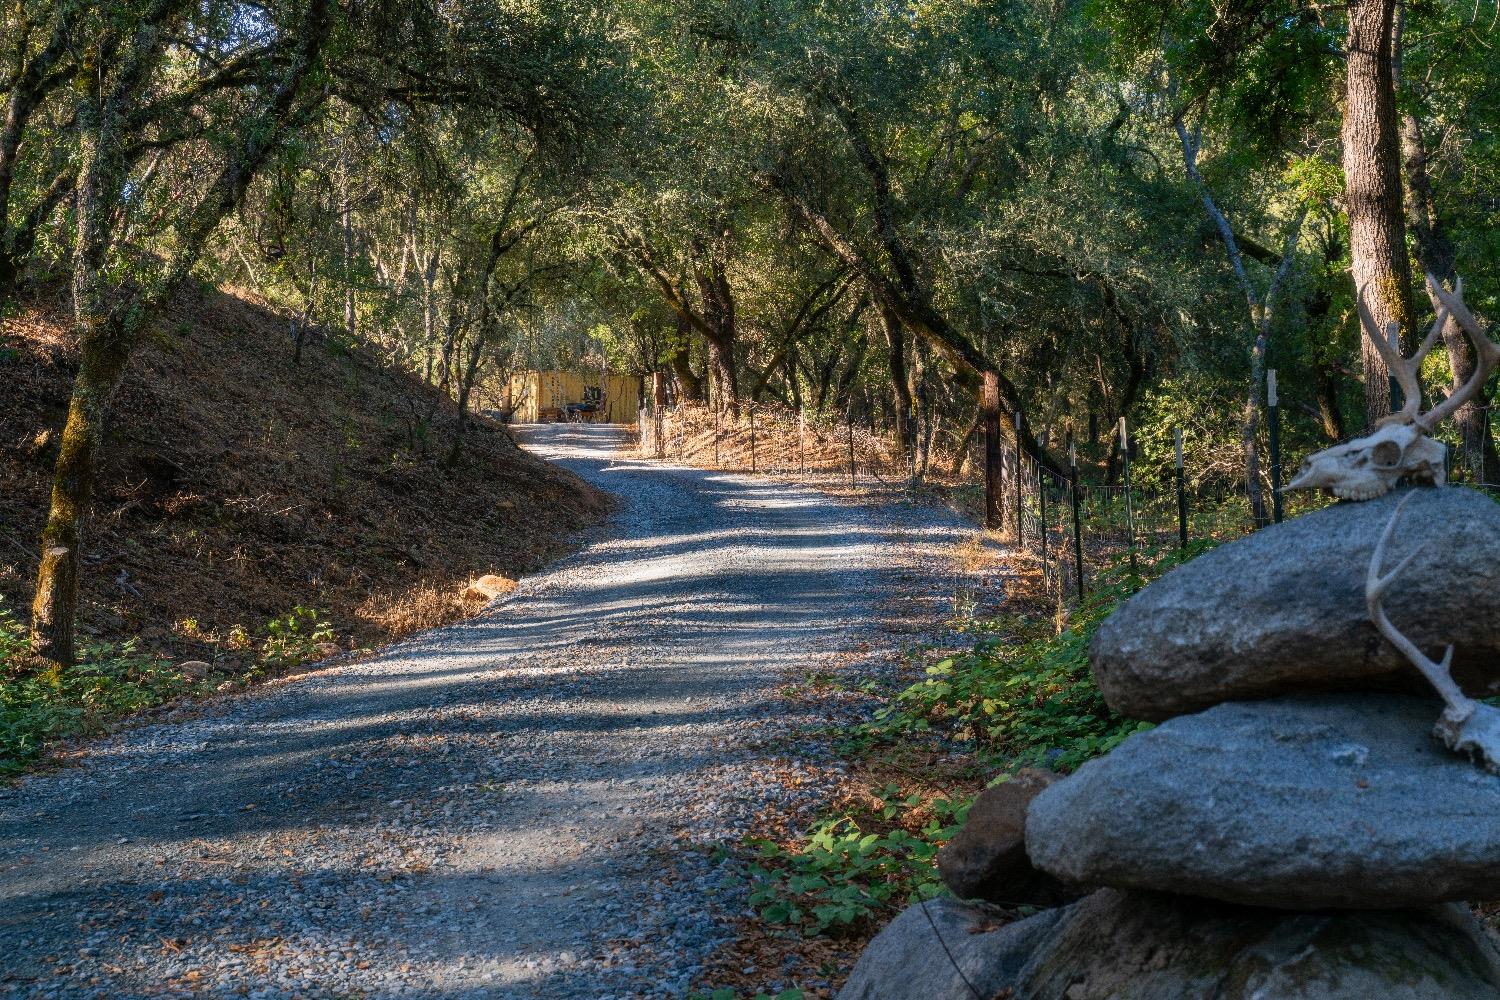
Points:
[(515, 806)]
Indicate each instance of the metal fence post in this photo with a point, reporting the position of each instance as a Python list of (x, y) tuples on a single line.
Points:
[(1274, 419), (1077, 519), (752, 435), (1041, 499), (659, 413), (911, 444), (849, 426), (1182, 534), (1129, 500), (801, 443)]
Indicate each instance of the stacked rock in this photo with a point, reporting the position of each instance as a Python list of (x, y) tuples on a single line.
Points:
[(1290, 829)]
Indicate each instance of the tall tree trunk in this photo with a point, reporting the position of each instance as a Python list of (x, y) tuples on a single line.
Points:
[(989, 417), (721, 333), (109, 318), (346, 228), (1372, 190), (921, 427), (1261, 308), (28, 88), (55, 606), (104, 353), (468, 375), (895, 341), (1436, 255), (1250, 427), (680, 361)]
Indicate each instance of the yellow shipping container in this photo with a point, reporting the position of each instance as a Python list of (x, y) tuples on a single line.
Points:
[(541, 397)]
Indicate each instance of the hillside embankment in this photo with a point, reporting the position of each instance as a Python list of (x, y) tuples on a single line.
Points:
[(237, 485)]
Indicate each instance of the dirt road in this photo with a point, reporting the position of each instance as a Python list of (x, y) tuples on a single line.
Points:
[(517, 806)]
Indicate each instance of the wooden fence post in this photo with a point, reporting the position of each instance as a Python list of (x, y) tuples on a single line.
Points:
[(850, 427), (801, 442), (659, 413), (1041, 499), (990, 412)]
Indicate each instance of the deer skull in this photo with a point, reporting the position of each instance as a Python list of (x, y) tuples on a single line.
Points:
[(1370, 466), (1400, 447)]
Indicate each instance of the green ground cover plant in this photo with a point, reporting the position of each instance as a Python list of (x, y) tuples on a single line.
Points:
[(110, 680), (1022, 696), (115, 679)]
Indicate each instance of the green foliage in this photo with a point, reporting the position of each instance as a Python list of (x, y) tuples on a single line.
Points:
[(293, 639), (1316, 180), (110, 681), (845, 873), (1025, 695)]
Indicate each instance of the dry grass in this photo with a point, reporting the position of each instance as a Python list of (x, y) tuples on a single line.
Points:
[(236, 485), (424, 606)]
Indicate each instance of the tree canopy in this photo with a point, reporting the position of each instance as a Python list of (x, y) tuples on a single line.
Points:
[(1111, 208)]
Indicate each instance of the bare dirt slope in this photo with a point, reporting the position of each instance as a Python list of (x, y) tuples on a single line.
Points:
[(518, 806), (237, 485)]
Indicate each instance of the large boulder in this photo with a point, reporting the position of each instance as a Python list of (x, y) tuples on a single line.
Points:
[(987, 859), (1283, 610), (943, 948), (1301, 803), (1147, 946)]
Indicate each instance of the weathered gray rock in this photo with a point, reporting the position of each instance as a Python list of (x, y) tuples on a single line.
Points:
[(195, 670), (1283, 610), (987, 859), (1148, 946), (1301, 802), (941, 949)]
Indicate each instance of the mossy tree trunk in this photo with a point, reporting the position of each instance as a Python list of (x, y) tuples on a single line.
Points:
[(55, 607), (111, 311), (1372, 190)]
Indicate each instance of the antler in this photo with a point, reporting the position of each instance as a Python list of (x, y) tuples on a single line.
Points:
[(1466, 726), (1404, 371), (1376, 585), (1486, 352)]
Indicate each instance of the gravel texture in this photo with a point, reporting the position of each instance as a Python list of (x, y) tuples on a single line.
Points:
[(516, 806)]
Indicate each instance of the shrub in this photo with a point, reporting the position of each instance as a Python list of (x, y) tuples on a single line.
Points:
[(293, 640), (110, 680), (1024, 695), (844, 873)]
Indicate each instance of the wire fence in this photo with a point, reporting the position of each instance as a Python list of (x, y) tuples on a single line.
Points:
[(1075, 529)]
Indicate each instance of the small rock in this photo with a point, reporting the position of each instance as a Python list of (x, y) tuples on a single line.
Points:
[(489, 587), (1283, 610), (1300, 803), (1149, 946), (194, 669), (987, 859), (327, 649), (944, 948)]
